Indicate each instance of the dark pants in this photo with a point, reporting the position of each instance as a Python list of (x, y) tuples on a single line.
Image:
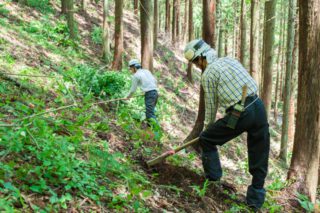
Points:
[(254, 121), (150, 99)]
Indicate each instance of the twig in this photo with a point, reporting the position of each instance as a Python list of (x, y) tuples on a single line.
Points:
[(33, 139), (36, 76)]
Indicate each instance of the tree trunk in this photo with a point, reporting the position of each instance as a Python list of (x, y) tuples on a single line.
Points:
[(243, 23), (254, 41), (225, 42), (288, 82), (191, 36), (294, 80), (118, 36), (208, 19), (220, 48), (174, 22), (185, 24), (178, 20), (208, 36), (276, 89), (306, 150), (84, 4), (270, 12), (155, 24), (64, 4), (70, 19), (146, 18), (105, 26), (168, 9), (136, 6)]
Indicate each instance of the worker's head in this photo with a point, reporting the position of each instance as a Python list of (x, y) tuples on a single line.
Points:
[(134, 65), (199, 53)]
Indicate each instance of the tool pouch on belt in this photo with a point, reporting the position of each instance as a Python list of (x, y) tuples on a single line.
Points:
[(237, 110)]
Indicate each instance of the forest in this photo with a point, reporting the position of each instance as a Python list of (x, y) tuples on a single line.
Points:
[(139, 105)]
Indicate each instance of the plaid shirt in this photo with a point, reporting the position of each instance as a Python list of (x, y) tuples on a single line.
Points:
[(222, 82)]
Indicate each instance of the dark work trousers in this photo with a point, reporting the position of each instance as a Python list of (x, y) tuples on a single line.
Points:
[(254, 121), (150, 99)]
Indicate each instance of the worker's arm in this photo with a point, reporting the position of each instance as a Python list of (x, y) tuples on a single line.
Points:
[(135, 81), (210, 98)]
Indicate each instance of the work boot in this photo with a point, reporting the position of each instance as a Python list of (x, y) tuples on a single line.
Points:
[(211, 165), (255, 197)]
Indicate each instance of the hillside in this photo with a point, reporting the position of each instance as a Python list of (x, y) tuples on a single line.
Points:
[(61, 149)]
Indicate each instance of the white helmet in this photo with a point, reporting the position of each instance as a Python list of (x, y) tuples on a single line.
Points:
[(134, 62), (195, 48)]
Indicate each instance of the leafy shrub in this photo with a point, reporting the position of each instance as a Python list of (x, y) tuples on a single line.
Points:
[(104, 84), (96, 35), (41, 5)]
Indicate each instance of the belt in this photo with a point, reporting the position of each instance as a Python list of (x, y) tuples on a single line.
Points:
[(254, 98)]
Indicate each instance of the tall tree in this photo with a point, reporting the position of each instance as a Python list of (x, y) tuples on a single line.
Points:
[(208, 26), (155, 24), (288, 81), (136, 6), (208, 20), (64, 6), (174, 22), (243, 39), (270, 20), (84, 5), (118, 36), (105, 26), (254, 43), (185, 24), (191, 37), (306, 150), (177, 20), (276, 89), (146, 19), (168, 9), (70, 19)]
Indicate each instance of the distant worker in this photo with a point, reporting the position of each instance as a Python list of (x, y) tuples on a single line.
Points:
[(148, 84), (223, 80)]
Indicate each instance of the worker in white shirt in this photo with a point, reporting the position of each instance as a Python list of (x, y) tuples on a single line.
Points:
[(146, 81)]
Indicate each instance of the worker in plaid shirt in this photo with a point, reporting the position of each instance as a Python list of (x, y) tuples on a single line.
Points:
[(222, 81)]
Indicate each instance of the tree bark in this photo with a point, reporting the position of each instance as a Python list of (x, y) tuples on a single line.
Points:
[(168, 9), (177, 20), (276, 90), (84, 5), (70, 19), (243, 23), (146, 18), (220, 48), (288, 82), (155, 24), (118, 36), (64, 4), (191, 36), (270, 12), (174, 22), (306, 150), (208, 19), (105, 26), (254, 41), (136, 6), (208, 36), (185, 24)]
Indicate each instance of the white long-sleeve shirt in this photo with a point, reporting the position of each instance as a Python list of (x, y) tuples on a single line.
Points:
[(145, 80)]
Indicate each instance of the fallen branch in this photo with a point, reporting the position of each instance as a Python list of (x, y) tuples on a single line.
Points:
[(15, 82)]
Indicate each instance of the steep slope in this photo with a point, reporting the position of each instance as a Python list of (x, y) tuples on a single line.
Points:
[(84, 156)]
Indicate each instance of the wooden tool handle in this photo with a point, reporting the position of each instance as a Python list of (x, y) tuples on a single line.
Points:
[(167, 154), (244, 94)]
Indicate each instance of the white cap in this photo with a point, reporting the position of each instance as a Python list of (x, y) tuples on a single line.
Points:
[(134, 62), (195, 48)]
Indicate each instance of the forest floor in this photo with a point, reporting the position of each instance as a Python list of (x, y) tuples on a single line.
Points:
[(34, 43)]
